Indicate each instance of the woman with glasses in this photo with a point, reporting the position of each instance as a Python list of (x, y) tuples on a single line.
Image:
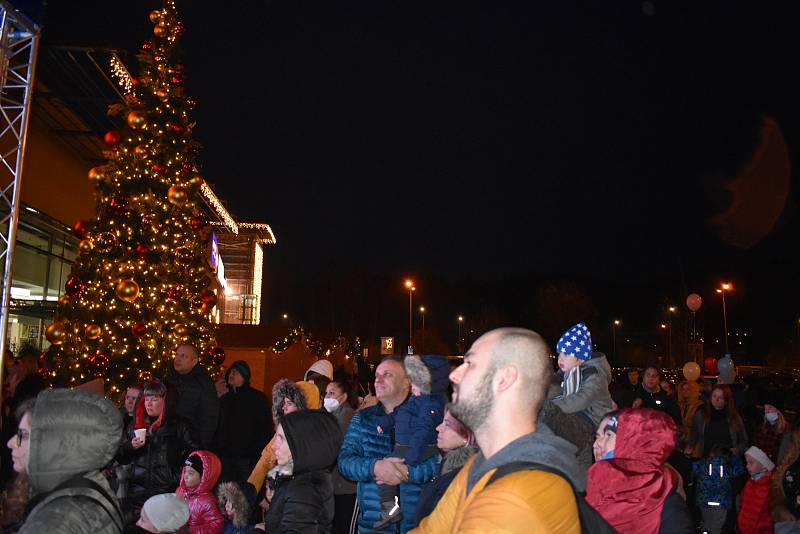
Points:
[(15, 499)]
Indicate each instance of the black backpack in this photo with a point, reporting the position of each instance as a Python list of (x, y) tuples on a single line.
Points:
[(591, 521)]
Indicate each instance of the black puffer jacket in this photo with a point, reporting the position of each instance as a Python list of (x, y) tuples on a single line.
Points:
[(303, 498), (243, 423), (157, 465), (197, 402)]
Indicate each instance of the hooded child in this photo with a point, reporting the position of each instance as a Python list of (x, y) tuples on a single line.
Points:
[(200, 474)]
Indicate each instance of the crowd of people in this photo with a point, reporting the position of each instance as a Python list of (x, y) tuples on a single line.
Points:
[(502, 442)]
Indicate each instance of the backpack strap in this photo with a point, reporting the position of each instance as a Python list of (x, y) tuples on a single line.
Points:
[(591, 521), (90, 489)]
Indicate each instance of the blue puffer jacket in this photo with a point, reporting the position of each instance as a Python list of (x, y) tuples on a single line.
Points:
[(362, 447)]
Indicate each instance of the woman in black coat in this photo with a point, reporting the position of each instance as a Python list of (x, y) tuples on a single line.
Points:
[(306, 446), (158, 457)]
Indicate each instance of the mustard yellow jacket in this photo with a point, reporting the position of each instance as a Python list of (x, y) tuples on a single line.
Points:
[(533, 502)]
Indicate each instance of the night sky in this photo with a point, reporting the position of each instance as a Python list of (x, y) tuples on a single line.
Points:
[(527, 163)]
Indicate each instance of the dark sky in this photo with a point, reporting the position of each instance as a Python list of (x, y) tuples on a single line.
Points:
[(488, 149)]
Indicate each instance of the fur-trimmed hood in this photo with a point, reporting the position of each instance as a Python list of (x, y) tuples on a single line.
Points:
[(429, 373), (230, 492), (304, 395)]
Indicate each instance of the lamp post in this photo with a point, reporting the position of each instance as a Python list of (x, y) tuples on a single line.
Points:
[(422, 312), (614, 324), (460, 321), (722, 289), (410, 286)]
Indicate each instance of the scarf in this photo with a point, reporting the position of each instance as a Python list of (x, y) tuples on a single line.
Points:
[(572, 381), (629, 490)]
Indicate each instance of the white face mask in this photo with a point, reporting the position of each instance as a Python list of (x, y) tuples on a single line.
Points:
[(330, 403)]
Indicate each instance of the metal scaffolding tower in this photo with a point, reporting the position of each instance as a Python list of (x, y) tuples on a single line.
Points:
[(19, 44)]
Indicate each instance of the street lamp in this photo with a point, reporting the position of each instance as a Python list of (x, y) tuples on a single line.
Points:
[(614, 324), (422, 312), (460, 322), (672, 310), (722, 289), (410, 286)]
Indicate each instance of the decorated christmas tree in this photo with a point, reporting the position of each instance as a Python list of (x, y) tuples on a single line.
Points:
[(140, 286)]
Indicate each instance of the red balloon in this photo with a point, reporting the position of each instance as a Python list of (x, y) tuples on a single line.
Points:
[(80, 228), (693, 302), (710, 365), (112, 138), (217, 355)]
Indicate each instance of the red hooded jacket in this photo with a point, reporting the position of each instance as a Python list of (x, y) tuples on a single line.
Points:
[(205, 517), (754, 516)]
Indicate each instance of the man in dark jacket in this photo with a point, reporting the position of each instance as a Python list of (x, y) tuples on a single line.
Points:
[(197, 399), (243, 424), (650, 395)]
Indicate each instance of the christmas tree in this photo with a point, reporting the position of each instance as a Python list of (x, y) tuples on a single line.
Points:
[(140, 286)]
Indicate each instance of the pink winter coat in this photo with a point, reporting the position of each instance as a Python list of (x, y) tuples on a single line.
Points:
[(205, 517)]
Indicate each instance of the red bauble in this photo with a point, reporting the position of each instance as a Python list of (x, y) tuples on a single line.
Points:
[(112, 138), (138, 329), (178, 128), (142, 250), (177, 80), (75, 287), (209, 298), (146, 46), (179, 67), (135, 82), (196, 223), (187, 166), (173, 295), (41, 360), (80, 228), (159, 168), (217, 356), (118, 206), (98, 364)]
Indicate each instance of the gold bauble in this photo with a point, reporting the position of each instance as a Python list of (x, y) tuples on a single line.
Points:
[(160, 29), (104, 242), (178, 195), (56, 333), (196, 181), (93, 331), (85, 245), (137, 119), (128, 290), (155, 16), (181, 331), (96, 175), (141, 152), (63, 299)]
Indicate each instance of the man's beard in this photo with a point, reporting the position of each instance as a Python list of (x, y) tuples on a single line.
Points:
[(475, 413)]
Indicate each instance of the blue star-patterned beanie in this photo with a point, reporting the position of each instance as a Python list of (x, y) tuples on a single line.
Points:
[(577, 341)]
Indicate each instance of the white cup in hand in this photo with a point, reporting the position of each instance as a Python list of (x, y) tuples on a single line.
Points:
[(140, 433)]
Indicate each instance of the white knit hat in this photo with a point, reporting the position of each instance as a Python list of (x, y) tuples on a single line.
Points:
[(323, 367), (761, 457), (167, 512)]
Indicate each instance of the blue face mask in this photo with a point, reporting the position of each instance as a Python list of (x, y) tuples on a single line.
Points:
[(771, 417), (607, 456)]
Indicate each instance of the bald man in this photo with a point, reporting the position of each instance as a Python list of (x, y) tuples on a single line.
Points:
[(498, 391)]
